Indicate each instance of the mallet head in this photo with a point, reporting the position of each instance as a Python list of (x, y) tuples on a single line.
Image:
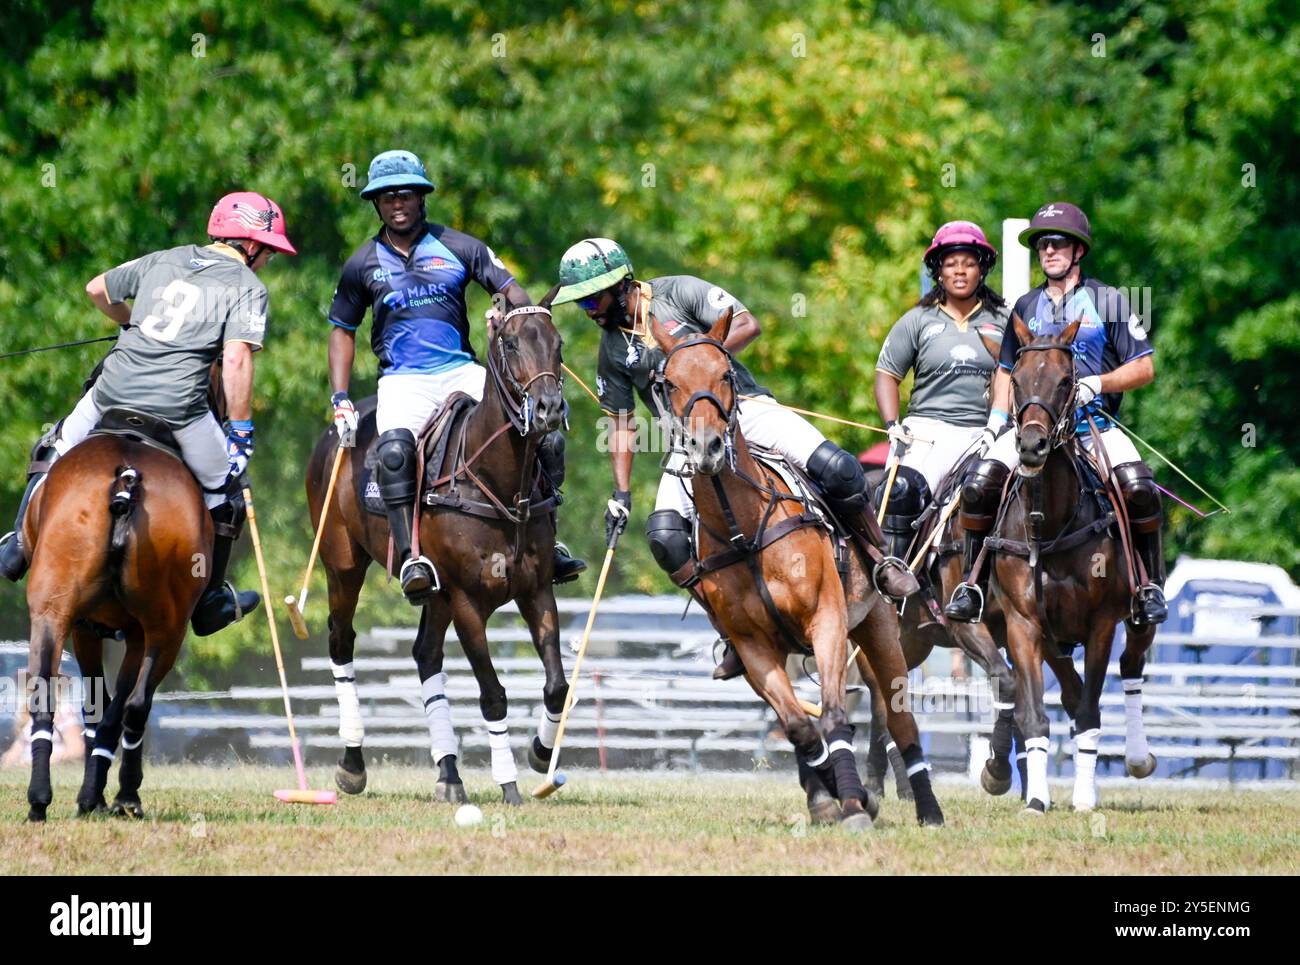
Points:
[(549, 787), (295, 617)]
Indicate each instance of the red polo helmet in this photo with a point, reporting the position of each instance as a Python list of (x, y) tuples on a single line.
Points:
[(246, 214)]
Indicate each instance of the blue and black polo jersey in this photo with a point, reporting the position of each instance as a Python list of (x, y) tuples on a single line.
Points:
[(419, 319), (1110, 336)]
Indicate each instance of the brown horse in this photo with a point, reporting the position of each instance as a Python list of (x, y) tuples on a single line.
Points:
[(120, 539), (1061, 576), (769, 574), (941, 570), (492, 537)]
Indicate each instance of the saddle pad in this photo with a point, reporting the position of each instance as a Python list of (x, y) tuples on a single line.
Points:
[(795, 481), (433, 440)]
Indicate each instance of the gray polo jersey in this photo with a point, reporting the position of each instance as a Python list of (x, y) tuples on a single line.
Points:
[(683, 304), (189, 301), (952, 365)]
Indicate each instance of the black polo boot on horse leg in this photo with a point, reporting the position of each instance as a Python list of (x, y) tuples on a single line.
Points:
[(396, 471), (669, 533), (221, 604), (550, 454), (13, 554), (981, 494), (844, 485), (1142, 499)]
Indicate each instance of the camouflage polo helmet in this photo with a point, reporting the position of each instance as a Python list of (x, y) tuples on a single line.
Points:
[(591, 266)]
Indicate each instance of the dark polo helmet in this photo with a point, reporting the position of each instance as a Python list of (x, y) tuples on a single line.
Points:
[(1058, 218)]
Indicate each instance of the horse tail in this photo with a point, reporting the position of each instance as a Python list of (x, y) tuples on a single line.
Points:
[(125, 495)]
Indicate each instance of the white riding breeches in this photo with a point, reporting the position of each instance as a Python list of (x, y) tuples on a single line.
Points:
[(937, 447), (1119, 449), (406, 400), (763, 423), (202, 443)]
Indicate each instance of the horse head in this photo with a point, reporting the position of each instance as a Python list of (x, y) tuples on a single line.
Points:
[(525, 363), (695, 369), (1042, 393)]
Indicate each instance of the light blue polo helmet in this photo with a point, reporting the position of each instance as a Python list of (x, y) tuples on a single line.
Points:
[(396, 169)]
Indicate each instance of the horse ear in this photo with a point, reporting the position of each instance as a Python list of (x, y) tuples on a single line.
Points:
[(991, 345), (722, 326), (660, 333), (1072, 330), (549, 297), (1022, 330)]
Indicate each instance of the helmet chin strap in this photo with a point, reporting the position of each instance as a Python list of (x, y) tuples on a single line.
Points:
[(1074, 262)]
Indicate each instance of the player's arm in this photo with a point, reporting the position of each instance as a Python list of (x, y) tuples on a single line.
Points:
[(237, 379), (744, 329), (97, 289), (622, 447), (342, 353), (1131, 375)]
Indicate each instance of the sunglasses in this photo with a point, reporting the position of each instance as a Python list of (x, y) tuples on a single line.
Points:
[(405, 194), (590, 303), (1043, 242)]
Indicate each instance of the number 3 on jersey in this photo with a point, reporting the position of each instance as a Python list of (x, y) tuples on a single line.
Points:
[(176, 302)]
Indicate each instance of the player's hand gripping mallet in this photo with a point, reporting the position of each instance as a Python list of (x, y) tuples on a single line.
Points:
[(303, 794), (554, 780), (297, 605)]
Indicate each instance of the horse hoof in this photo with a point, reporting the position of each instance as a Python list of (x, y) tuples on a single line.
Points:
[(1141, 769), (87, 808), (450, 793), (872, 804), (993, 784), (1035, 807), (123, 808), (36, 814), (823, 808), (875, 784), (349, 782), (510, 794), (536, 761), (857, 822)]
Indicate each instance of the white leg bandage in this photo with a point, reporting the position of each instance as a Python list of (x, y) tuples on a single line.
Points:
[(504, 770), (1036, 765), (351, 732), (548, 726), (437, 711), (1085, 769), (1135, 738)]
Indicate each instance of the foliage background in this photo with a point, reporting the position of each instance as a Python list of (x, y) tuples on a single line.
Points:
[(802, 154)]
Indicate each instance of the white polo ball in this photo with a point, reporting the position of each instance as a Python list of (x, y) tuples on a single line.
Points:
[(467, 815)]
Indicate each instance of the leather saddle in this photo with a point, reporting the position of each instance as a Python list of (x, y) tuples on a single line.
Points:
[(433, 441), (139, 427)]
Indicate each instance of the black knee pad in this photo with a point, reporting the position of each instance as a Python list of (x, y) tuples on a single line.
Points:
[(228, 517), (396, 468), (909, 496), (669, 533), (840, 476), (1140, 495), (550, 453), (981, 493)]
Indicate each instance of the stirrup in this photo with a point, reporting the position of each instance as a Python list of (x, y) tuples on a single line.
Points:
[(234, 595), (435, 584), (979, 592), (882, 566)]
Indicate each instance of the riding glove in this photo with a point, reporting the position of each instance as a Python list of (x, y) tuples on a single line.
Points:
[(345, 420), (1089, 388), (239, 446), (617, 511)]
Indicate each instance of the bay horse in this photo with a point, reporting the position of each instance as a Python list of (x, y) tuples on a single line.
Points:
[(1061, 574), (923, 627), (769, 573), (119, 535), (491, 537)]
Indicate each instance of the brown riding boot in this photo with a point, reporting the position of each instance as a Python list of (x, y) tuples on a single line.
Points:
[(730, 666)]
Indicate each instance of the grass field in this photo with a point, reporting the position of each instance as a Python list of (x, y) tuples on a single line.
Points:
[(225, 821)]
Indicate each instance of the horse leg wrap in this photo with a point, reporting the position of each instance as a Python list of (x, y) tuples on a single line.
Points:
[(504, 770), (1085, 769), (1000, 745), (918, 775), (437, 711), (351, 730), (1135, 738), (848, 783), (1037, 795), (548, 726)]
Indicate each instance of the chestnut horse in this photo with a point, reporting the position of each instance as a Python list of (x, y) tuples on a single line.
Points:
[(118, 532), (768, 572), (490, 536), (1061, 574)]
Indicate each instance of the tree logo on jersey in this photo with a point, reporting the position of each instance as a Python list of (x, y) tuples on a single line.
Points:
[(963, 353)]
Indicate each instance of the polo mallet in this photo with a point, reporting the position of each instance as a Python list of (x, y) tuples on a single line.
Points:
[(896, 455), (554, 780), (296, 605), (938, 531), (303, 795)]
